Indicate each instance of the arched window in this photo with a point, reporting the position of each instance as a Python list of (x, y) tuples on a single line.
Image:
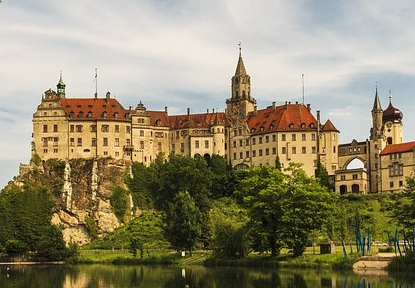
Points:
[(355, 188), (343, 189)]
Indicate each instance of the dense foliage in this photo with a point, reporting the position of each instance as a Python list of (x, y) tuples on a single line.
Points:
[(25, 218)]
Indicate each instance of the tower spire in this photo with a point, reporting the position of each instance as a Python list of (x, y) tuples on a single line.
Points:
[(376, 103), (60, 87)]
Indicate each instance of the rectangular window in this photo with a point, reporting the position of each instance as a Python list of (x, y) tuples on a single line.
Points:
[(55, 128), (197, 144), (241, 155), (247, 142), (55, 150), (283, 137), (253, 153), (141, 144), (128, 142), (303, 137), (45, 142), (234, 156), (182, 147), (354, 176), (206, 144), (45, 128), (247, 154), (274, 138), (105, 128), (240, 142), (260, 152), (117, 129), (72, 142), (274, 150), (400, 183), (127, 129), (391, 184), (105, 153), (293, 150), (94, 142), (104, 141), (79, 128), (284, 150), (267, 151), (117, 154), (141, 133), (55, 141), (260, 140), (93, 128), (303, 150), (293, 137), (313, 150), (234, 144), (79, 142), (343, 177), (72, 128), (267, 139), (253, 141), (313, 137), (117, 142)]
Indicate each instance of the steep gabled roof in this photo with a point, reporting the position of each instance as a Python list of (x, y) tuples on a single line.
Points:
[(398, 148), (329, 126), (288, 117), (91, 108), (202, 120)]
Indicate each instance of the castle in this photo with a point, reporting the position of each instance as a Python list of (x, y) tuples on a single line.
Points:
[(244, 135)]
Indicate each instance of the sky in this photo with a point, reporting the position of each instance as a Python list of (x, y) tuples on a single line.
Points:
[(183, 53)]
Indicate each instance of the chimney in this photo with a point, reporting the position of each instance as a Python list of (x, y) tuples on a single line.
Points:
[(308, 107), (108, 96), (273, 105), (165, 109)]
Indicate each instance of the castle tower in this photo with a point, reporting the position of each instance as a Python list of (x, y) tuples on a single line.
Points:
[(392, 121), (241, 102), (61, 87), (376, 144)]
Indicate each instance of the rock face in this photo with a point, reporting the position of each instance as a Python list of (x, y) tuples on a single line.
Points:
[(82, 189)]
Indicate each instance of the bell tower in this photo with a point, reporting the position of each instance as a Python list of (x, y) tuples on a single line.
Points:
[(241, 101)]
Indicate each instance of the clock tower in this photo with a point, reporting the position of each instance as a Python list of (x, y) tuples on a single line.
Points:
[(241, 103)]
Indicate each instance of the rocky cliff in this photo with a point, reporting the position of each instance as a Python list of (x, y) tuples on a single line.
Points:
[(82, 190)]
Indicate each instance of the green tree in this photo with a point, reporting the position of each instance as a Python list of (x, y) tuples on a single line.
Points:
[(181, 173), (183, 223), (139, 185), (262, 192), (309, 207), (120, 202), (227, 229), (402, 209), (284, 208), (323, 176)]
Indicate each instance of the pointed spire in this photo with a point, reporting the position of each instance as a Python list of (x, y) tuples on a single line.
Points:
[(376, 104), (390, 97), (61, 87), (240, 67)]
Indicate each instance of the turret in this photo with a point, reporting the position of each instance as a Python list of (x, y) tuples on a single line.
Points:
[(61, 87)]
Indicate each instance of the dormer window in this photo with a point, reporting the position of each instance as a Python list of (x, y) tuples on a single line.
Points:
[(303, 125), (116, 115), (81, 114), (312, 125), (89, 115), (158, 122), (104, 114), (262, 128), (291, 126), (253, 130), (71, 115)]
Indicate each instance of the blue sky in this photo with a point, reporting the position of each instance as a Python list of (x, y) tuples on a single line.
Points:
[(182, 54)]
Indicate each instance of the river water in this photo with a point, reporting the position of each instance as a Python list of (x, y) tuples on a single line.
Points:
[(109, 276)]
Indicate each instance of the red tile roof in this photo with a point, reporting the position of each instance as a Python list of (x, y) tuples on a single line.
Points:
[(93, 109), (288, 117), (203, 120), (328, 126), (398, 148)]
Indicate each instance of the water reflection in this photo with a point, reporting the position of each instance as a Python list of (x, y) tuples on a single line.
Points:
[(103, 276)]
